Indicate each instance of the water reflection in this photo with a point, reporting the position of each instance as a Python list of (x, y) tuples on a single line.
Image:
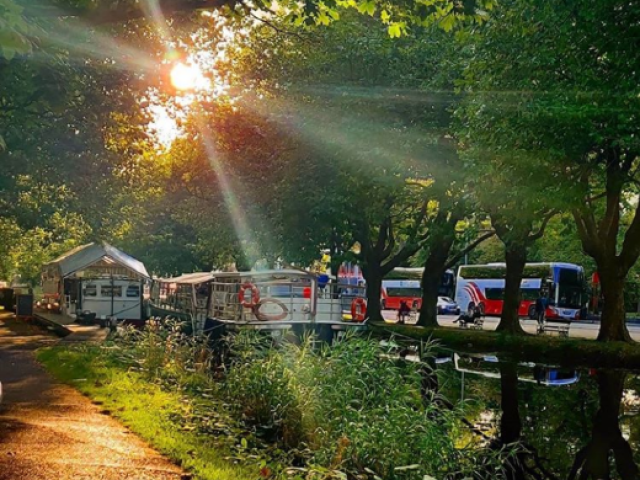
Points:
[(567, 423)]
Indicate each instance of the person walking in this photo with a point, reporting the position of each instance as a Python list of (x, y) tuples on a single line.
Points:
[(541, 307), (403, 312)]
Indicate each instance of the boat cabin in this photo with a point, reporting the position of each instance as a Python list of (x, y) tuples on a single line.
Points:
[(282, 299), (184, 298), (97, 279)]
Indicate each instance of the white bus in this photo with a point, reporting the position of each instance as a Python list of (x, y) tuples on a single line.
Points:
[(483, 286)]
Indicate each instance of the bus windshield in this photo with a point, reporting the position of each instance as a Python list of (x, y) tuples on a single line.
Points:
[(569, 288), (404, 292)]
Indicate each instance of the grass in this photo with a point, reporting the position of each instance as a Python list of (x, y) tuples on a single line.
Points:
[(565, 351), (159, 416), (294, 412)]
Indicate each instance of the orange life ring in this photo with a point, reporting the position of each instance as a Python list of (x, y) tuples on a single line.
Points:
[(255, 295), (358, 309)]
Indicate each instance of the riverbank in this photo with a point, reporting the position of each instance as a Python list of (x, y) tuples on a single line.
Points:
[(290, 412), (531, 348), (162, 417), (48, 430)]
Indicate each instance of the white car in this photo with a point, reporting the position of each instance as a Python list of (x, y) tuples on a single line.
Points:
[(446, 306)]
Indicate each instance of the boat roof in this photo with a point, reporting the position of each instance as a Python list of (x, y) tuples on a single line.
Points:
[(84, 256), (204, 277), (265, 273), (189, 278)]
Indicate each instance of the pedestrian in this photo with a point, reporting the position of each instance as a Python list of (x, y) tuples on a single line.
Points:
[(469, 317), (403, 311), (541, 307)]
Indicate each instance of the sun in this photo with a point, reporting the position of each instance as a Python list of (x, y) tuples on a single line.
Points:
[(186, 77)]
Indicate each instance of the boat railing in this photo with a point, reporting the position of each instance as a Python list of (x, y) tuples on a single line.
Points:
[(296, 300)]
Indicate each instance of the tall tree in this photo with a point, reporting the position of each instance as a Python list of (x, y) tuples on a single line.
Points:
[(574, 68)]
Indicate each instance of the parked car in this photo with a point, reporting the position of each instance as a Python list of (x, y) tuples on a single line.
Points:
[(447, 306)]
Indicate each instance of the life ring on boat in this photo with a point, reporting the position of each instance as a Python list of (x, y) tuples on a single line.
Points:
[(255, 295), (266, 317), (359, 309)]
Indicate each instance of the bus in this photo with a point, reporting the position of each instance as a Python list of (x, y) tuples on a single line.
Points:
[(483, 286), (394, 292), (403, 284)]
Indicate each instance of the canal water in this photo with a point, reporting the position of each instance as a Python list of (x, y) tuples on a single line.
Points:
[(568, 423)]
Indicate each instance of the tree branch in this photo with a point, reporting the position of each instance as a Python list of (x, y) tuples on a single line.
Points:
[(537, 235), (391, 241), (107, 12), (631, 244), (276, 28), (453, 260)]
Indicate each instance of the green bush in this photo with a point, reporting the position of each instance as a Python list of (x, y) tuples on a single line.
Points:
[(351, 407), (304, 411)]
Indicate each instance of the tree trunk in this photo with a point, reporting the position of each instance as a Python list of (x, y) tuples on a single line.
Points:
[(613, 323), (510, 422), (373, 277), (429, 309), (516, 257), (593, 461), (434, 268)]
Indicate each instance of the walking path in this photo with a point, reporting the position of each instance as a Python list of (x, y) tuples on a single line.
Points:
[(578, 329), (49, 431)]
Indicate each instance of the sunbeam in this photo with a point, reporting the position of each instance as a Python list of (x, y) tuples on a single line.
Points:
[(237, 213)]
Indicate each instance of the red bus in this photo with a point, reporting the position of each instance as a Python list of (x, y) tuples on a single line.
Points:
[(395, 292), (483, 285)]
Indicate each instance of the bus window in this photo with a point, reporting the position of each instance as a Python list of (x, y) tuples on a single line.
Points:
[(494, 293), (529, 294), (403, 292), (569, 296)]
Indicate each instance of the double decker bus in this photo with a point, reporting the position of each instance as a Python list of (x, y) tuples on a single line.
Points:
[(562, 284), (403, 285)]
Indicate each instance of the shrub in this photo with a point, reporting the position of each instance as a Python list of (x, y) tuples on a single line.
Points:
[(351, 410)]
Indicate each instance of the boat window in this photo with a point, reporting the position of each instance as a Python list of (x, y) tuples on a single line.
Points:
[(111, 291), (90, 290), (133, 291)]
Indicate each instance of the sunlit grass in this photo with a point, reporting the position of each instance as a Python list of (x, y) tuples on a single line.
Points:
[(153, 413)]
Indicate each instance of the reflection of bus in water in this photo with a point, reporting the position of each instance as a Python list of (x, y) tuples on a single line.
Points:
[(489, 367), (403, 284), (561, 283)]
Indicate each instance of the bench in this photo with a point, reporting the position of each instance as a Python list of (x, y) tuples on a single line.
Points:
[(561, 329)]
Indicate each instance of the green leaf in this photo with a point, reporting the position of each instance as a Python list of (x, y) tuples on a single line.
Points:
[(394, 31), (448, 22), (368, 7), (333, 14)]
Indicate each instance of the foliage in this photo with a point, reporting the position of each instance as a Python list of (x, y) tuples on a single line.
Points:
[(338, 410), (583, 153)]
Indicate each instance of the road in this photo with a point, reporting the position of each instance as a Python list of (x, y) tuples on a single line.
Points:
[(50, 431), (577, 330)]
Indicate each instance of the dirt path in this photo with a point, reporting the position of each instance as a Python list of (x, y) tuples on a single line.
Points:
[(50, 431)]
